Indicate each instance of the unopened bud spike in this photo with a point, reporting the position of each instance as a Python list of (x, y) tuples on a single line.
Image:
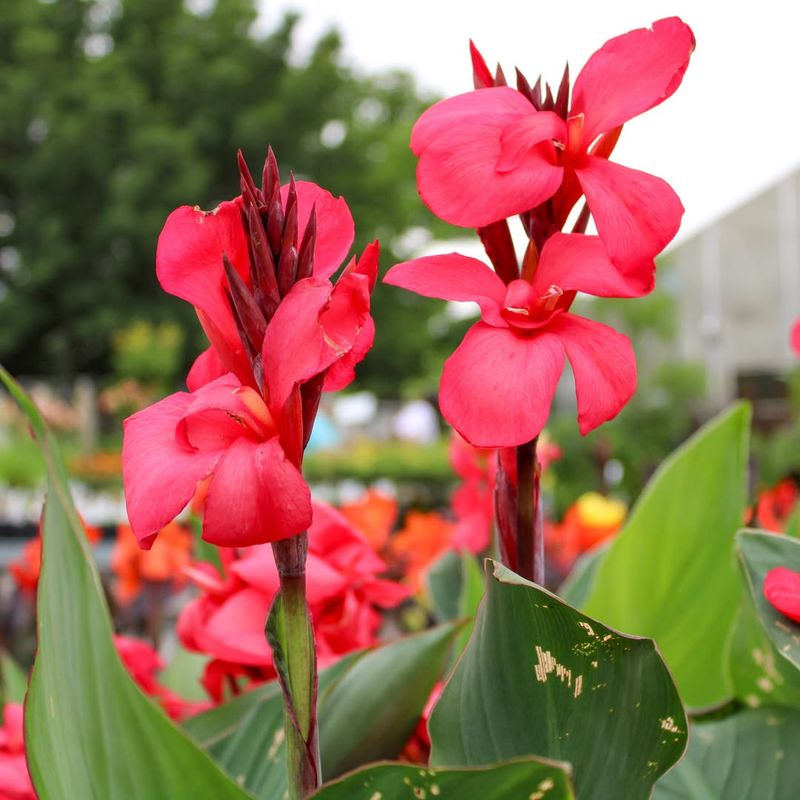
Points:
[(271, 176)]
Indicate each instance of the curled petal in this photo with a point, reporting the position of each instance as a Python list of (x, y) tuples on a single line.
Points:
[(519, 137), (497, 387), (342, 372), (604, 366), (256, 495), (160, 474), (335, 228), (207, 367), (578, 262), (458, 142), (636, 214), (452, 277), (314, 326), (630, 74), (189, 258)]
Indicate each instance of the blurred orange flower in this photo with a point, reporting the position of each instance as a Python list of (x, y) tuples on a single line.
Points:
[(424, 537), (373, 515), (164, 561), (592, 519)]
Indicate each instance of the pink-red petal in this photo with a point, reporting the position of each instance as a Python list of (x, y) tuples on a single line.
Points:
[(235, 631), (636, 214), (189, 257), (294, 347), (335, 228), (458, 142), (497, 387), (314, 326), (630, 74), (782, 590), (256, 495), (452, 277), (207, 367), (575, 261), (794, 339), (604, 366), (159, 473)]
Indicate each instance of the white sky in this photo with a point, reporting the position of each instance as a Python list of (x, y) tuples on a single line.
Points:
[(731, 129)]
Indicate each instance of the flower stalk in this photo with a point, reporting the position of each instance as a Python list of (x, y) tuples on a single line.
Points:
[(291, 636), (529, 527)]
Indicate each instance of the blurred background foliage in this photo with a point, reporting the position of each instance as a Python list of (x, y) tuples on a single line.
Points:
[(114, 113)]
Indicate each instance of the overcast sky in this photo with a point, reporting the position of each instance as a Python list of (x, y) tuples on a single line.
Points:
[(729, 131)]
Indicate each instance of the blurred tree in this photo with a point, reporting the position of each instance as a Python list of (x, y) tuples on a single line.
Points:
[(113, 112)]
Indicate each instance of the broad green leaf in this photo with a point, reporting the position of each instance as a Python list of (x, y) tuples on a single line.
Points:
[(759, 674), (246, 736), (369, 704), (444, 586), (15, 682), (749, 756), (90, 732), (576, 588), (522, 779), (670, 574), (371, 713), (540, 678), (469, 598), (759, 553)]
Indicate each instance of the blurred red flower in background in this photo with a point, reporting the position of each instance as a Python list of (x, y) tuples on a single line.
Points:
[(345, 592), (15, 782)]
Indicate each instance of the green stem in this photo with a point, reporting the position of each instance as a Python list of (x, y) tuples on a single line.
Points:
[(291, 636)]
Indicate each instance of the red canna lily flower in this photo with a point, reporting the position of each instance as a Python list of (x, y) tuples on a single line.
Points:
[(497, 151), (257, 271), (794, 339), (497, 387), (782, 590), (345, 591)]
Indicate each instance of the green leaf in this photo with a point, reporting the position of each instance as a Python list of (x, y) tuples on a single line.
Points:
[(14, 680), (444, 586), (524, 779), (759, 553), (760, 675), (670, 573), (792, 527), (540, 678), (369, 704), (749, 756), (371, 713), (89, 730), (469, 598), (576, 588)]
